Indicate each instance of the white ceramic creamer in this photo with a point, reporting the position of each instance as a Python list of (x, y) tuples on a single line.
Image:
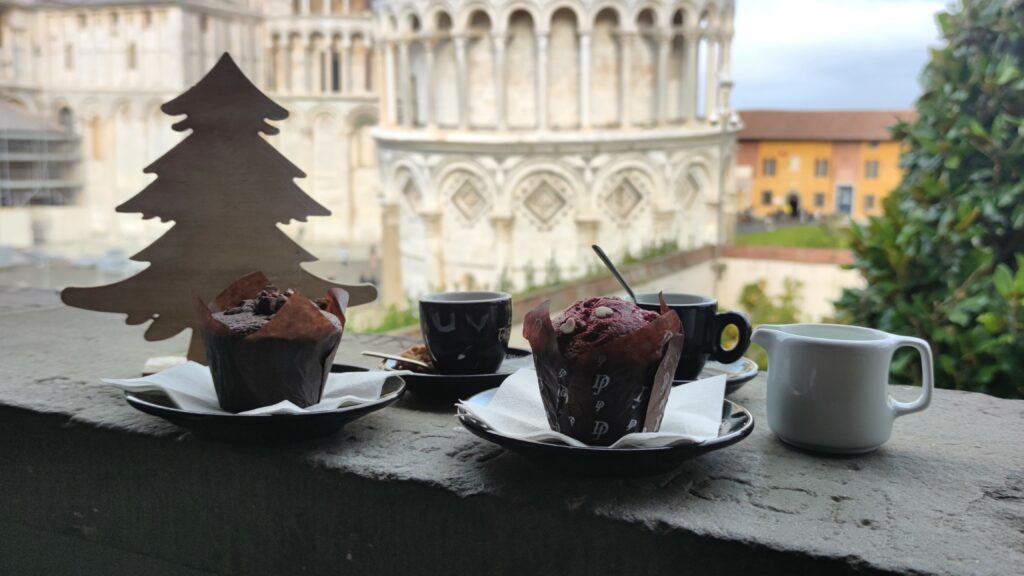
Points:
[(828, 385)]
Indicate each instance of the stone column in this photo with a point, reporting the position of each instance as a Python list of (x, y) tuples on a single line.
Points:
[(725, 79), (435, 255), (316, 62), (711, 80), (460, 81), (499, 41), (298, 50), (346, 7), (689, 75), (304, 6), (346, 65), (428, 90), (660, 98), (502, 227), (391, 255), (626, 40), (587, 228), (280, 55), (584, 80), (542, 81), (326, 7), (390, 92), (406, 82)]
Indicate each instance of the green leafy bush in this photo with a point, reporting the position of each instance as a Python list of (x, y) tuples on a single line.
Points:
[(944, 261)]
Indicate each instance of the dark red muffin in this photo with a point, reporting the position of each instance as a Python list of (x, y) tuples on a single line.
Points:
[(604, 367), (590, 323)]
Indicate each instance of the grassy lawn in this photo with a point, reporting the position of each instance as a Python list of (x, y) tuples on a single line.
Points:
[(803, 236)]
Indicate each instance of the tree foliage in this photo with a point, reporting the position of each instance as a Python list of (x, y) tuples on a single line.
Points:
[(945, 261)]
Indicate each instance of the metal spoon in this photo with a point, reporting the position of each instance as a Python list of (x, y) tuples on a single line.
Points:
[(615, 271), (397, 358)]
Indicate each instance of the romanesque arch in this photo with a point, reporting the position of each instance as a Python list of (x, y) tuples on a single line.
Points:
[(467, 193), (644, 69), (481, 83), (521, 96), (606, 63), (445, 80), (563, 70), (544, 237), (692, 186)]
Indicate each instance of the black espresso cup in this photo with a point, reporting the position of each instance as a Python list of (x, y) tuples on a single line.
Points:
[(466, 332), (702, 330)]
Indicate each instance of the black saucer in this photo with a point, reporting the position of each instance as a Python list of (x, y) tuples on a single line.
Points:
[(263, 427), (451, 387), (737, 373), (737, 424)]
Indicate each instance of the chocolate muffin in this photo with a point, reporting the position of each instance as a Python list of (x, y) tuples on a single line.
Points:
[(266, 345), (252, 314), (604, 367)]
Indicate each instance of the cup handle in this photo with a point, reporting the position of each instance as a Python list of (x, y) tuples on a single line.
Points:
[(927, 378), (742, 323)]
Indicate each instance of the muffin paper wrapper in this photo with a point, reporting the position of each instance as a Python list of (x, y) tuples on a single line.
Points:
[(289, 358), (612, 390)]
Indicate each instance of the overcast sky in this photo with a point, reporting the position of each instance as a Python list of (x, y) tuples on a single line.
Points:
[(831, 53)]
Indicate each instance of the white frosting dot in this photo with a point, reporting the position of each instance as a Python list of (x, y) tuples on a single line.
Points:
[(602, 311)]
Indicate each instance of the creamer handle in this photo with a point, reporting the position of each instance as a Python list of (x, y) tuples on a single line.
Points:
[(927, 377)]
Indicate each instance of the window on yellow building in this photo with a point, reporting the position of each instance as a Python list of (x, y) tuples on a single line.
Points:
[(69, 57), (819, 199), (82, 20), (871, 169), (766, 198), (869, 201), (132, 56), (873, 144), (769, 167), (821, 168)]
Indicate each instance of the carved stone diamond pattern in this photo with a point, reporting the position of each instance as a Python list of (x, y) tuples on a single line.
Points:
[(469, 201), (544, 202), (623, 199)]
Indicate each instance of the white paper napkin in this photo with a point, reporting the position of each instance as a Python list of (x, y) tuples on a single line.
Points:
[(693, 414), (190, 387)]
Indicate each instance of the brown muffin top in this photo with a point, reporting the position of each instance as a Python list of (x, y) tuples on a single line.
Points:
[(250, 315)]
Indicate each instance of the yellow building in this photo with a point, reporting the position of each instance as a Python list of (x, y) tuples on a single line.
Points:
[(817, 162)]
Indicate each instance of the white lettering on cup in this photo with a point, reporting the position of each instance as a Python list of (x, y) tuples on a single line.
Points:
[(636, 401), (600, 429), (600, 383), (598, 405)]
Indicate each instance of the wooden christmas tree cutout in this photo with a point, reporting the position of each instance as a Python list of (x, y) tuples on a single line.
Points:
[(226, 188)]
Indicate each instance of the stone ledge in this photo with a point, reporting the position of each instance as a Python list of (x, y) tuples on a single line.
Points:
[(89, 483)]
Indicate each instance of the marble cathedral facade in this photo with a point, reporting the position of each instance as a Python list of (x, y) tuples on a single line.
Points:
[(515, 134), (480, 143)]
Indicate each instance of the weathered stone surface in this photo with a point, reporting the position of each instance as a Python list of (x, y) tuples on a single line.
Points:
[(88, 485)]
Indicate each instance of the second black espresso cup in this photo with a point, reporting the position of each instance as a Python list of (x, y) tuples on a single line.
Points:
[(702, 330), (466, 332)]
